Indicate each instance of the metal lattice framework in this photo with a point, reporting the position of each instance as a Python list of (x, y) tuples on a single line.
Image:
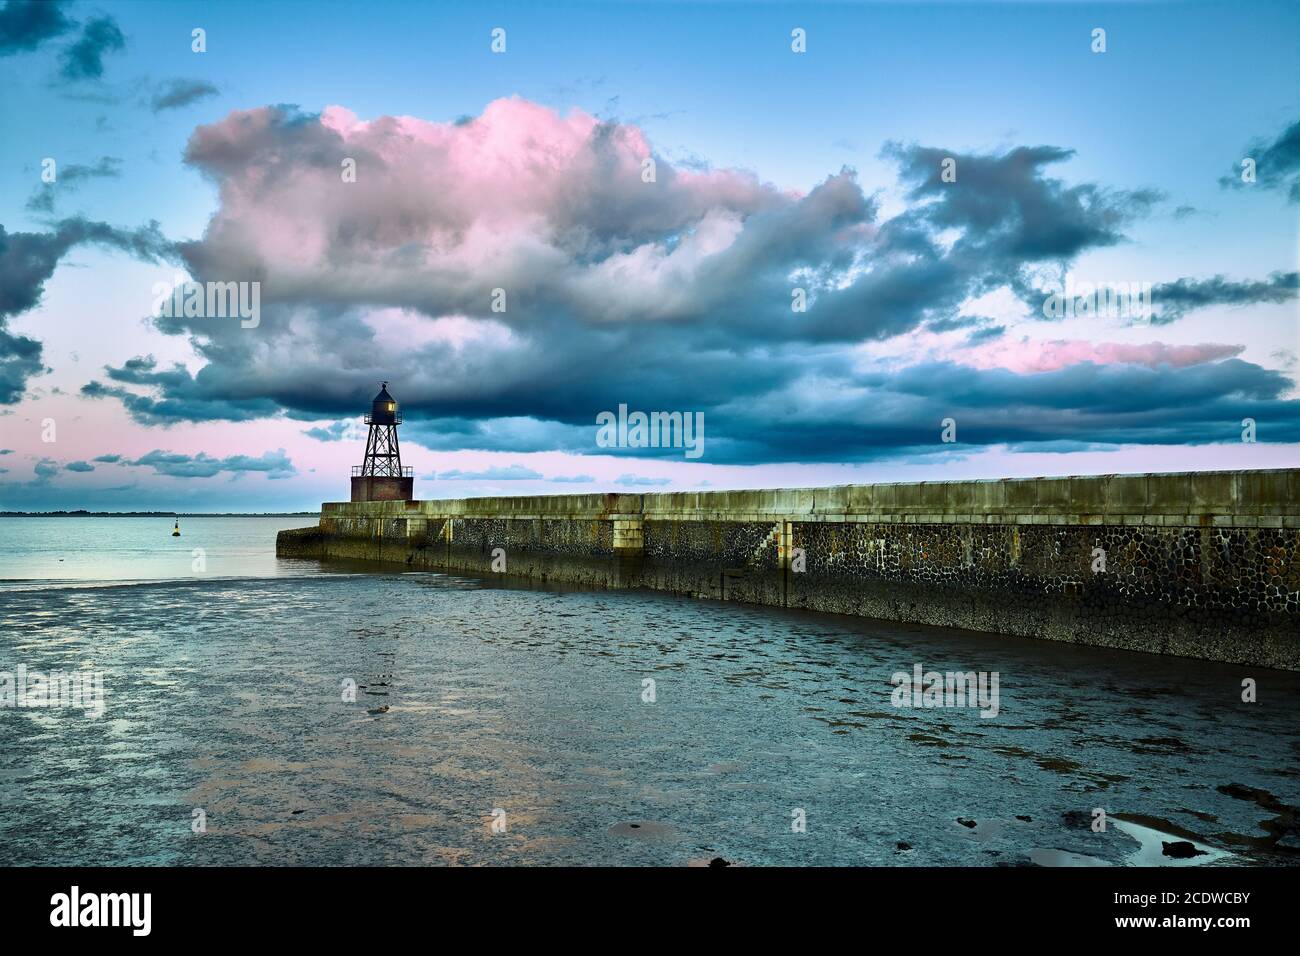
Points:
[(383, 456)]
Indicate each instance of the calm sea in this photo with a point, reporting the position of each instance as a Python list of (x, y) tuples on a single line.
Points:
[(512, 725)]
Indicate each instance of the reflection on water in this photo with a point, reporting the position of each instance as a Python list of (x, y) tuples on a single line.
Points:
[(228, 696)]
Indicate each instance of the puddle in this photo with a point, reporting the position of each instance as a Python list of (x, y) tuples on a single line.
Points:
[(1151, 851), (1186, 851)]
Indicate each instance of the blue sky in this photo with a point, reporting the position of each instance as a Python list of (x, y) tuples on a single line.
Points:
[(1181, 94)]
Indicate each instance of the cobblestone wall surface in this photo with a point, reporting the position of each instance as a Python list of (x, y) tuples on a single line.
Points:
[(1201, 565)]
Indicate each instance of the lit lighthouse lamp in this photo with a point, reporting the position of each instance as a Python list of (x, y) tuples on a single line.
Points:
[(380, 476)]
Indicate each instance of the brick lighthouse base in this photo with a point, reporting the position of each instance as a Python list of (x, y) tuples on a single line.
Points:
[(374, 488)]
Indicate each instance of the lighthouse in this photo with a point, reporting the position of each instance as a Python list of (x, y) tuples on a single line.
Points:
[(380, 476)]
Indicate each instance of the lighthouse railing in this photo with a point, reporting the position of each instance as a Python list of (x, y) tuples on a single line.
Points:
[(359, 471)]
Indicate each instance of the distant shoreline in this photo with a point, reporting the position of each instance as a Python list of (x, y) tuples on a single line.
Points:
[(157, 514)]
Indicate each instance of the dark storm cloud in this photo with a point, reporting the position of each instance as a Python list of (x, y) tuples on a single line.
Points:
[(522, 433), (28, 259), (1009, 209), (274, 464), (495, 473), (671, 296), (952, 323), (1173, 300), (108, 167), (1009, 217), (188, 398), (175, 94), (333, 432), (1084, 403), (888, 413), (1277, 164), (26, 24), (84, 59), (79, 466), (20, 359), (1105, 388), (986, 334)]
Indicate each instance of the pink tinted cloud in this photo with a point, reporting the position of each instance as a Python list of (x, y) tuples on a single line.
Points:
[(1027, 355), (440, 213)]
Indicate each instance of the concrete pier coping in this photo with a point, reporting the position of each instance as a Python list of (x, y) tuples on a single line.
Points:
[(1262, 498)]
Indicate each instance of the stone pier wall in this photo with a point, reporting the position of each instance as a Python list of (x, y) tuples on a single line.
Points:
[(1197, 565)]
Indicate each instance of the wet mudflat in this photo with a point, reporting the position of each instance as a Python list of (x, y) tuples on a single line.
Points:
[(500, 726)]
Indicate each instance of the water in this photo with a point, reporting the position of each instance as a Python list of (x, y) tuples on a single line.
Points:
[(93, 550), (224, 695)]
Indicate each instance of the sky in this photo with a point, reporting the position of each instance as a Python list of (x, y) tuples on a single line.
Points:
[(828, 232)]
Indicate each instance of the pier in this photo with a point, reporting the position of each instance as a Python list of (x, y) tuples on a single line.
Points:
[(1203, 565)]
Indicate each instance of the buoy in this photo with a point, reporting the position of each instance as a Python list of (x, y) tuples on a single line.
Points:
[(176, 531)]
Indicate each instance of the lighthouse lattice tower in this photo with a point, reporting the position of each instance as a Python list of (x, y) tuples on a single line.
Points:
[(380, 476)]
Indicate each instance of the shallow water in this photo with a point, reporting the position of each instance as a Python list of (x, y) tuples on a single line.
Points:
[(90, 550), (224, 694)]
